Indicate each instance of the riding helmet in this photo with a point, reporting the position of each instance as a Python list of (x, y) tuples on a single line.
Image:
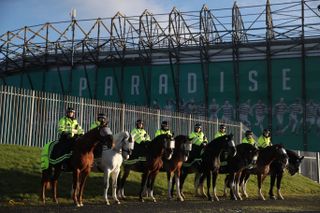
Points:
[(70, 109), (197, 125), (248, 132), (102, 116)]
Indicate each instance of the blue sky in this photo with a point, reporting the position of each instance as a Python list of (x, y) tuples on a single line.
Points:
[(16, 14)]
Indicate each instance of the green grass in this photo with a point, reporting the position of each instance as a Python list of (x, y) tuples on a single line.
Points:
[(20, 181)]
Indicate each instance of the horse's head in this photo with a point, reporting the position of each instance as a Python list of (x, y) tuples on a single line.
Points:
[(168, 145), (125, 143), (248, 153), (105, 136), (294, 162), (183, 146), (228, 144)]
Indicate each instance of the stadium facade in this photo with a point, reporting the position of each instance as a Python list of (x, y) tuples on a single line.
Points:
[(259, 65)]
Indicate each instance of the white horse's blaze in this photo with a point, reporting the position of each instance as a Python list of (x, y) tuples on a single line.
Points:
[(131, 145), (172, 144)]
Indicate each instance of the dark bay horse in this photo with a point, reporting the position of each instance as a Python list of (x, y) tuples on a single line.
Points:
[(161, 146), (277, 168), (183, 145), (266, 157), (245, 158), (80, 162), (210, 163)]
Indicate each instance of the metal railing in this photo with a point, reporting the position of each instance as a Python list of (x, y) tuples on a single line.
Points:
[(30, 118)]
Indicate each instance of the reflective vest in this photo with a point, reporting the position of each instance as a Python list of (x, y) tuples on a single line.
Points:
[(263, 142), (162, 132), (249, 141), (197, 138), (68, 125), (95, 124), (219, 134), (140, 135)]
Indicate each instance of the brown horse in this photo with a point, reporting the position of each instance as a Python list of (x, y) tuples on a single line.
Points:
[(266, 157), (161, 146), (183, 146), (80, 162)]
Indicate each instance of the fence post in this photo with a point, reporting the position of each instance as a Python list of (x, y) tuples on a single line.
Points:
[(158, 116), (190, 128), (122, 116), (240, 132), (299, 154), (31, 118), (318, 164)]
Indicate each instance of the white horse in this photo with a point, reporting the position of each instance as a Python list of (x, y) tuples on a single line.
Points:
[(112, 159)]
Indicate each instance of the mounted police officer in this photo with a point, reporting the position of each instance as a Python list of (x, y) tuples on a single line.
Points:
[(69, 128), (264, 140), (221, 131), (164, 129), (141, 138), (249, 138), (101, 120), (199, 140)]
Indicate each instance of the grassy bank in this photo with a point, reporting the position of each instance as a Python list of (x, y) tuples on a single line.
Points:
[(20, 181)]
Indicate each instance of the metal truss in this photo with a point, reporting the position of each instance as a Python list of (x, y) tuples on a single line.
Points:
[(149, 37)]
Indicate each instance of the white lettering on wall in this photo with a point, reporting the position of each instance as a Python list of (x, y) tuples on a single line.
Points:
[(83, 85), (252, 78), (285, 79), (108, 81), (192, 83), (135, 81), (163, 84)]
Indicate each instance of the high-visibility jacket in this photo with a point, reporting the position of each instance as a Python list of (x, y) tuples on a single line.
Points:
[(95, 124), (162, 132), (263, 141), (68, 125), (248, 140), (197, 138), (219, 134), (140, 135)]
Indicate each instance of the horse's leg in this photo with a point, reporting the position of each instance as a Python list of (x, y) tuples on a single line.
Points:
[(279, 178), (272, 181), (208, 175), (45, 182), (200, 184), (115, 175), (214, 181), (76, 174), (230, 182), (236, 184), (260, 180), (144, 180), (169, 179), (177, 179), (226, 185), (82, 184), (55, 177), (122, 182), (183, 177), (152, 180), (106, 185), (243, 182)]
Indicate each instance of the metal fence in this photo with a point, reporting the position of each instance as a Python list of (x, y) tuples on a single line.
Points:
[(29, 118)]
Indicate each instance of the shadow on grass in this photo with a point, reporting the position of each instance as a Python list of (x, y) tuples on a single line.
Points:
[(18, 185)]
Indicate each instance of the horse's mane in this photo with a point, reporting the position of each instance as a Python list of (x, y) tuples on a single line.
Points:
[(180, 139), (217, 141)]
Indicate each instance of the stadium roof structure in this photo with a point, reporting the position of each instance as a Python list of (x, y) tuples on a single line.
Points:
[(209, 34)]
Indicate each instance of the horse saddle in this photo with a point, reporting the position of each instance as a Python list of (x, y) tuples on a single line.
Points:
[(55, 152)]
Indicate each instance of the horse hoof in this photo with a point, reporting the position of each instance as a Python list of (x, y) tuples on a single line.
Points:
[(210, 199), (117, 202), (107, 203), (78, 205), (141, 200), (81, 204), (180, 199), (273, 197)]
